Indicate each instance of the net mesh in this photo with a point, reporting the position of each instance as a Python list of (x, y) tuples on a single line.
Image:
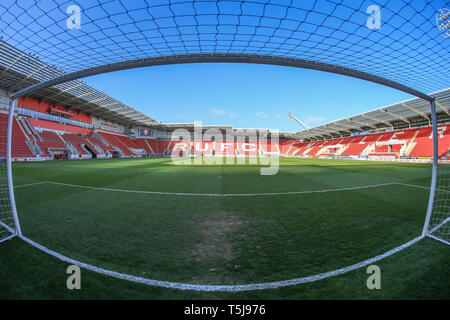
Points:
[(6, 217), (402, 41), (439, 225), (408, 45)]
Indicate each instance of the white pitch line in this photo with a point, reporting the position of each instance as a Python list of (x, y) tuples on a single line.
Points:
[(29, 184), (421, 187), (222, 194), (413, 185), (229, 288), (226, 194)]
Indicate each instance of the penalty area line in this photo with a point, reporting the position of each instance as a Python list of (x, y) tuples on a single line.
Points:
[(220, 194), (421, 187)]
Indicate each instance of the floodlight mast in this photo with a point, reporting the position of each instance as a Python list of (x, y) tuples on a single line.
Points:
[(291, 116)]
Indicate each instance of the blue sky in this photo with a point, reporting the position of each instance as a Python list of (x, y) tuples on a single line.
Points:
[(243, 95)]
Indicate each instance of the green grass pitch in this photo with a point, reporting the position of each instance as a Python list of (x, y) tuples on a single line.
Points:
[(222, 240)]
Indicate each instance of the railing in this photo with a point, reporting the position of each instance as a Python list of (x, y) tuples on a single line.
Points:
[(33, 146), (71, 148), (40, 115)]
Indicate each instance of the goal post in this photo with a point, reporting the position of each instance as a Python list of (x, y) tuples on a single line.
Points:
[(437, 225), (345, 38), (9, 221), (437, 221)]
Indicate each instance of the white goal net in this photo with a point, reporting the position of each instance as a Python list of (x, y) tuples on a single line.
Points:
[(439, 224), (7, 227)]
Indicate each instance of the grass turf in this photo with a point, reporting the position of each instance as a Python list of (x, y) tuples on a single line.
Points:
[(222, 240)]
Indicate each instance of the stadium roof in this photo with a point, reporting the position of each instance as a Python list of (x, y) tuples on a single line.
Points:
[(19, 70), (402, 114), (225, 129)]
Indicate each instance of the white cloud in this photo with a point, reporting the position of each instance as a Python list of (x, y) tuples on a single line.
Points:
[(261, 114), (222, 113), (279, 115), (314, 119), (218, 112)]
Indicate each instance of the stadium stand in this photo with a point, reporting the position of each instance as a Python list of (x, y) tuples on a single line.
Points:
[(52, 125), (83, 147), (164, 146), (285, 146), (118, 141), (99, 145), (35, 136), (247, 148), (355, 146), (143, 144), (153, 144), (19, 146), (51, 143), (423, 142)]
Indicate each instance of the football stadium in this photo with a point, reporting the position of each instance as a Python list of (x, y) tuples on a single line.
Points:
[(356, 207)]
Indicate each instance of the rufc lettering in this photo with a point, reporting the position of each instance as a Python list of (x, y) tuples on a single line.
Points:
[(222, 147)]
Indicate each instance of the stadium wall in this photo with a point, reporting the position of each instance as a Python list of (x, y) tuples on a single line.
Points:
[(107, 125), (49, 108), (162, 135), (4, 99)]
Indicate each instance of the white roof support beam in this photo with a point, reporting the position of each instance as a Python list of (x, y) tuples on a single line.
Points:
[(134, 116), (362, 123), (98, 99), (378, 120), (127, 111), (397, 116), (65, 90), (35, 71), (13, 63), (343, 125), (120, 106), (440, 106), (338, 127), (83, 95), (423, 114), (106, 105), (325, 133), (142, 118)]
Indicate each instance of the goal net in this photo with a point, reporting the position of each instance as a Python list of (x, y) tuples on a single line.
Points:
[(7, 226), (439, 223), (46, 46)]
